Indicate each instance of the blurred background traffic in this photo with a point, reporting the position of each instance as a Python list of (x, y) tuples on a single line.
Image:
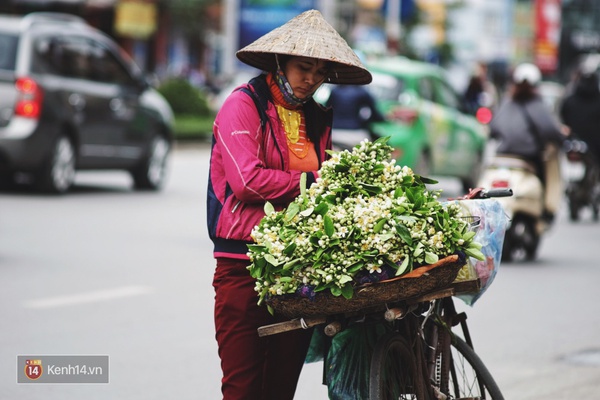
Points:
[(441, 68), (196, 40)]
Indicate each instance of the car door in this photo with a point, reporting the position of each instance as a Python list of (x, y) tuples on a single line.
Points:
[(437, 123), (85, 104), (458, 151), (130, 128)]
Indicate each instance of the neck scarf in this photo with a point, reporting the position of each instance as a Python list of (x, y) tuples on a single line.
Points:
[(291, 118), (286, 88)]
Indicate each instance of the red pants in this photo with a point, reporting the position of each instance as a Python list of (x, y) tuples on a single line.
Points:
[(254, 368)]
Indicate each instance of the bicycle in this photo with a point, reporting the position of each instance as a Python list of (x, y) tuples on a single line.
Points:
[(420, 357)]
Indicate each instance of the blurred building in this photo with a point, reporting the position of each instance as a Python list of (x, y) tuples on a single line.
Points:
[(580, 33), (498, 33)]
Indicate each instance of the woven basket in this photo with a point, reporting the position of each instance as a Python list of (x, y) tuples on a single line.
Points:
[(371, 296)]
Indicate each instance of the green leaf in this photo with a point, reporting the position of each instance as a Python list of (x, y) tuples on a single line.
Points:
[(292, 263), (356, 267), (398, 192), (418, 249), (379, 225), (419, 201), (403, 267), (291, 211), (303, 185), (475, 245), (341, 168), (330, 198), (468, 236), (307, 212), (260, 263), (347, 291), (371, 189), (475, 253), (404, 234), (272, 260), (328, 225), (382, 140), (289, 250), (322, 209), (269, 209), (256, 248), (386, 236), (336, 291), (431, 258), (428, 181), (319, 253)]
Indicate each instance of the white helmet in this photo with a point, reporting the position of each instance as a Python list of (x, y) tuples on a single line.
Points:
[(527, 73)]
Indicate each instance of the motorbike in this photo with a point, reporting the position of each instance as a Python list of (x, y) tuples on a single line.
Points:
[(583, 179), (525, 208)]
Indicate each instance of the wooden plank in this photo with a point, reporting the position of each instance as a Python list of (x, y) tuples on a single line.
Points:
[(286, 326), (439, 294), (471, 286)]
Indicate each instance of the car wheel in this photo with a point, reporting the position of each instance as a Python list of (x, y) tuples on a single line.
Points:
[(58, 173), (152, 172)]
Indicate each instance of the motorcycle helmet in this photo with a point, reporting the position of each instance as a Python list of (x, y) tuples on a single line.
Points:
[(527, 73)]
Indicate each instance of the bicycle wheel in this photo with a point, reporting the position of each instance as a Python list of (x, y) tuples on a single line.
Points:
[(394, 373), (468, 376)]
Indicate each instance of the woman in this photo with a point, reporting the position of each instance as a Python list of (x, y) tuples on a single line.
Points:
[(524, 125), (266, 134)]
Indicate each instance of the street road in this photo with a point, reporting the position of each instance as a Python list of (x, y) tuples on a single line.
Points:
[(108, 271)]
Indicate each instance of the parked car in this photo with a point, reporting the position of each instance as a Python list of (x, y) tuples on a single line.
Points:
[(71, 99), (428, 123)]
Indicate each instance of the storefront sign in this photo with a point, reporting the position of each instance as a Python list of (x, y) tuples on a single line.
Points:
[(135, 18)]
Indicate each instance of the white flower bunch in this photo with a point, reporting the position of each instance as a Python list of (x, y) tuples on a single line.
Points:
[(365, 219)]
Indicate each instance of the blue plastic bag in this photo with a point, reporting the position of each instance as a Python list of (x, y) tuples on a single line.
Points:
[(492, 225)]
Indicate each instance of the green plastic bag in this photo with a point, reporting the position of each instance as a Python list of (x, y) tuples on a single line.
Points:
[(348, 362)]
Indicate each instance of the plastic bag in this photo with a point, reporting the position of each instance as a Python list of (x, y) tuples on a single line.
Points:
[(347, 359), (490, 231), (348, 362)]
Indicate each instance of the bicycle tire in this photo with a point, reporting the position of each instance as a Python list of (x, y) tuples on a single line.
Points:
[(394, 373), (469, 377)]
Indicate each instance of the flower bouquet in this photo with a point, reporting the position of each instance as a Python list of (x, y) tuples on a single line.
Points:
[(364, 220)]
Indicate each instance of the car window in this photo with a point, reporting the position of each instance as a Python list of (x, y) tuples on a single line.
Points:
[(425, 88), (64, 56), (78, 58), (107, 68), (8, 51), (445, 95), (386, 87)]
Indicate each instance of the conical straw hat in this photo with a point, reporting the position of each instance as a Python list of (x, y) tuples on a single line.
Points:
[(307, 35)]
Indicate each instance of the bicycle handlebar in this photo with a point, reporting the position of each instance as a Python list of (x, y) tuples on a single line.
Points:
[(481, 193)]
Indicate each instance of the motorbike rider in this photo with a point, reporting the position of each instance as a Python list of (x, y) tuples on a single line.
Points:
[(580, 110), (524, 127)]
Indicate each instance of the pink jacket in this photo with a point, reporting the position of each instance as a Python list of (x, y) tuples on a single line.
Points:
[(249, 167)]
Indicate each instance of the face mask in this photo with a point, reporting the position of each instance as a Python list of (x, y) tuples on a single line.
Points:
[(286, 88)]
